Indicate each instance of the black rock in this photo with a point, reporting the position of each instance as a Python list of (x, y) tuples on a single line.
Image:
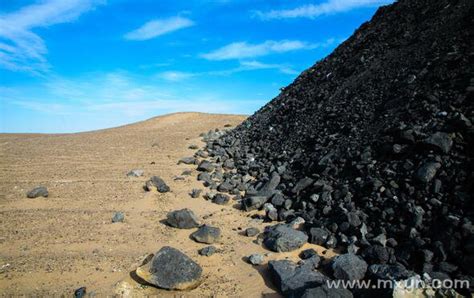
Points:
[(318, 236), (205, 166), (157, 183), (440, 141), (252, 232), (255, 259), (308, 253), (182, 219), (80, 293), (283, 238), (171, 269), (389, 272), (254, 202), (293, 280), (221, 199), (39, 191), (349, 267), (208, 251), (195, 193), (207, 234), (427, 172), (188, 160)]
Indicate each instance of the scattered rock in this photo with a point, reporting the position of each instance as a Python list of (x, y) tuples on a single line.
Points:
[(205, 166), (195, 193), (135, 173), (207, 234), (80, 293), (255, 259), (182, 219), (188, 160), (308, 253), (283, 238), (39, 191), (172, 270), (207, 251), (221, 199), (118, 217), (193, 147), (252, 232), (157, 183)]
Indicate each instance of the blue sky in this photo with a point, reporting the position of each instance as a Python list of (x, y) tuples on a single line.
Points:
[(78, 65)]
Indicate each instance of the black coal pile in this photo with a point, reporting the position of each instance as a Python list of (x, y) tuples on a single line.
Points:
[(373, 145)]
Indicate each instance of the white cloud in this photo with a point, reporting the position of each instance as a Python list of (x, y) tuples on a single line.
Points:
[(313, 11), (23, 50), (243, 50), (120, 94), (156, 28), (175, 76), (178, 76)]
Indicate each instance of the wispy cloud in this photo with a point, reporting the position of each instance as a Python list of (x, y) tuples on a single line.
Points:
[(121, 95), (244, 50), (178, 76), (159, 27), (23, 50), (313, 11)]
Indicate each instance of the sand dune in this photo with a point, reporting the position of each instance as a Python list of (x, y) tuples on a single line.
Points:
[(57, 244)]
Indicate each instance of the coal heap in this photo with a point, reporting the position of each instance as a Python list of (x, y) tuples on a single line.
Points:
[(373, 145)]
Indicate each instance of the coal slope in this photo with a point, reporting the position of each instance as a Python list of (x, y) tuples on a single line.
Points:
[(374, 143)]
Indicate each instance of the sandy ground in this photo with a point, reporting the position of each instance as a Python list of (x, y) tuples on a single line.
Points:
[(54, 245)]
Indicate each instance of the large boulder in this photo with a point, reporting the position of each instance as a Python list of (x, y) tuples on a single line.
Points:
[(283, 238), (171, 269), (182, 219)]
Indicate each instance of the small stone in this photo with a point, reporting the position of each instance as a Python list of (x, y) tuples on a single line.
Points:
[(195, 193), (208, 251), (80, 293), (252, 232), (135, 173), (207, 234), (205, 166), (193, 147), (157, 183), (255, 259), (308, 253), (171, 269), (221, 199), (188, 160), (182, 219), (39, 191), (427, 172), (118, 217)]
